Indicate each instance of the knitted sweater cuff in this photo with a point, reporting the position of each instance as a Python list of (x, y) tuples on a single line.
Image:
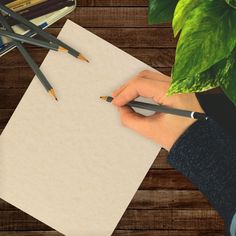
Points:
[(207, 157)]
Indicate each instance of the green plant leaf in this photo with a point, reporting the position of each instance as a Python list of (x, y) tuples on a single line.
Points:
[(208, 36), (182, 12), (221, 74), (228, 78), (161, 11), (198, 83), (232, 3)]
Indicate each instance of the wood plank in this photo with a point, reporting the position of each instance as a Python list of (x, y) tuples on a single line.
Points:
[(18, 220), (166, 233), (10, 98), (171, 219), (161, 160), (154, 200), (137, 37), (133, 37), (5, 206), (166, 179), (117, 3), (15, 77), (20, 77), (194, 219), (172, 199), (5, 116), (109, 17), (30, 233), (153, 57), (14, 59), (124, 233)]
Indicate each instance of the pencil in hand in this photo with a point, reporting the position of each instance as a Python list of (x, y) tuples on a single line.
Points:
[(163, 109)]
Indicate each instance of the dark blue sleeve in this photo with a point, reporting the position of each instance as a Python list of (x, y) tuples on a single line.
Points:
[(218, 106), (206, 155)]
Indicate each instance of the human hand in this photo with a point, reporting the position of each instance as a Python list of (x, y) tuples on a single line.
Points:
[(163, 128)]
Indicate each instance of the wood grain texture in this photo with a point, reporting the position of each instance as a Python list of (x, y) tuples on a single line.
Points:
[(30, 233), (131, 37), (20, 77), (187, 219), (170, 219), (10, 98), (167, 233), (123, 233), (110, 17), (154, 57), (166, 203), (154, 200), (117, 3), (166, 199)]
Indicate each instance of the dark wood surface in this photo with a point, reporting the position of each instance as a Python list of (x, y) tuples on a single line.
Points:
[(166, 202)]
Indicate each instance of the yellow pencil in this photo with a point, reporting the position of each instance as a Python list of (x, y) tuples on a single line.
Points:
[(20, 5), (15, 3)]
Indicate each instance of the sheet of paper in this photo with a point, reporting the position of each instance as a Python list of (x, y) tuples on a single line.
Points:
[(71, 164)]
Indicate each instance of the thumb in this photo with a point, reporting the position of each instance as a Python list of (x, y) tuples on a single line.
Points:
[(135, 121)]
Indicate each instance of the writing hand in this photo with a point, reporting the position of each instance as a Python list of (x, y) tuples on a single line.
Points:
[(164, 129)]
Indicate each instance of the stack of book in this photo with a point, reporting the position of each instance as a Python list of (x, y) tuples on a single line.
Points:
[(42, 13)]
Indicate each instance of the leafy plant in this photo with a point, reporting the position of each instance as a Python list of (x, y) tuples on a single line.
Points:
[(206, 49), (161, 11)]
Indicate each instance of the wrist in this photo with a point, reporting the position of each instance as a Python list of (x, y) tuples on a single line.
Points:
[(173, 128)]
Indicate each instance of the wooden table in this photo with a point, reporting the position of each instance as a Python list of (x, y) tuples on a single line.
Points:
[(166, 202)]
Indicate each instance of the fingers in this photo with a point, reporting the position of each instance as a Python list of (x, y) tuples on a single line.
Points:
[(147, 88), (144, 125), (154, 75), (117, 91), (135, 121), (144, 74), (147, 84), (120, 89)]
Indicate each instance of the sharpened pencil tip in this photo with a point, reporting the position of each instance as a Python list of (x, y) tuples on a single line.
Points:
[(81, 57), (103, 97), (52, 92)]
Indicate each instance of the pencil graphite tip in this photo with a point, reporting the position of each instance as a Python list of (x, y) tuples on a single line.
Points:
[(81, 57), (103, 97), (52, 92)]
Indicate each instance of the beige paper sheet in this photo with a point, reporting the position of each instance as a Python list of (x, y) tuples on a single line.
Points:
[(71, 164)]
